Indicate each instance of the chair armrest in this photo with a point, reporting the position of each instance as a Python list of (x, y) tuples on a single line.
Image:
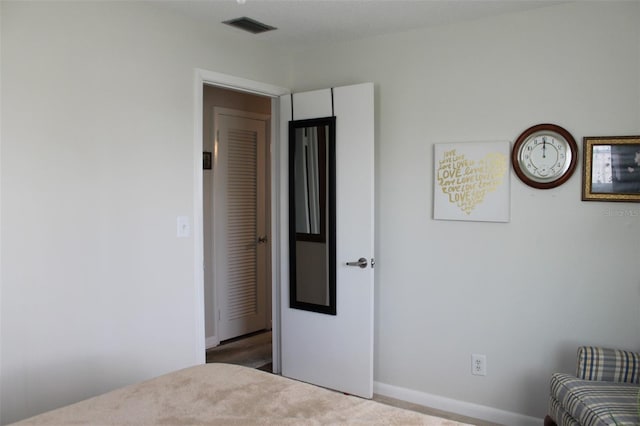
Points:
[(611, 365)]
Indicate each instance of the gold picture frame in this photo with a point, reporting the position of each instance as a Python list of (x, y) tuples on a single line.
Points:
[(611, 168)]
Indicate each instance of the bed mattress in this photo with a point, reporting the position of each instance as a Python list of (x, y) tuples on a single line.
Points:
[(224, 394)]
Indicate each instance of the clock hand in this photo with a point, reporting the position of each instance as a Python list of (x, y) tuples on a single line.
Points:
[(544, 147)]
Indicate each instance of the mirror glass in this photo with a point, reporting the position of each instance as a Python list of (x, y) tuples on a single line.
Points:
[(312, 212)]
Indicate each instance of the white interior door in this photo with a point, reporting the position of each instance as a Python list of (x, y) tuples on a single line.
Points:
[(337, 351), (240, 236)]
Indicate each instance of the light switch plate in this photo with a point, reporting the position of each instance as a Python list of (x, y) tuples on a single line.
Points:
[(184, 227)]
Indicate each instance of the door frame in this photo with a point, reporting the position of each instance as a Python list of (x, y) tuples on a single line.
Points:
[(201, 78)]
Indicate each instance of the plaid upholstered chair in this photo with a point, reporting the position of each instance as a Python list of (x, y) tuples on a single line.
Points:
[(605, 391)]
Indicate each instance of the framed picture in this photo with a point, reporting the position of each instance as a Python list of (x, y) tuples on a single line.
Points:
[(206, 160), (611, 169)]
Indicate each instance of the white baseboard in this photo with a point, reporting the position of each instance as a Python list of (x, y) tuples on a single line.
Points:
[(211, 342), (468, 409)]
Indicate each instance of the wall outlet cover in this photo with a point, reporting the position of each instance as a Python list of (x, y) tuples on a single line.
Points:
[(478, 364)]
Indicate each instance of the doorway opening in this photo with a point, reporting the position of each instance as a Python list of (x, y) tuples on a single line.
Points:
[(236, 226)]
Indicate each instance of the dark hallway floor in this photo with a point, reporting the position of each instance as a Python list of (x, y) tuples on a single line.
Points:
[(253, 351)]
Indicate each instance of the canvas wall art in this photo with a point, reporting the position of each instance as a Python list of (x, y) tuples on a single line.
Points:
[(471, 181)]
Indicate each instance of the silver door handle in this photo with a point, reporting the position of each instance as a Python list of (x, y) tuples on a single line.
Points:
[(362, 262)]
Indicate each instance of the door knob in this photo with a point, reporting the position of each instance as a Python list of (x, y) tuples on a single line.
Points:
[(262, 239), (362, 262)]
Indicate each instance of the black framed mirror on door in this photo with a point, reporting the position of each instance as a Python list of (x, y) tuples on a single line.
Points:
[(312, 215)]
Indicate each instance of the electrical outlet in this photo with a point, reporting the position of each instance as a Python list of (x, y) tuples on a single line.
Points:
[(478, 364)]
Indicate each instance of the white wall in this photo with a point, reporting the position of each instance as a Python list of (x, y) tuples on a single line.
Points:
[(97, 163), (562, 273)]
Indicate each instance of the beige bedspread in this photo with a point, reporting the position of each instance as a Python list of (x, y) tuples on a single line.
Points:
[(224, 394)]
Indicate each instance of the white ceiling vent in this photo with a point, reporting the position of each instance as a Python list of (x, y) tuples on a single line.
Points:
[(250, 25)]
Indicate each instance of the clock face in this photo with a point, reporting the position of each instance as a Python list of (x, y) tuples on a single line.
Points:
[(544, 156)]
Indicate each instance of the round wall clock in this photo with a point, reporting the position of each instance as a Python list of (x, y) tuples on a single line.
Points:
[(544, 156)]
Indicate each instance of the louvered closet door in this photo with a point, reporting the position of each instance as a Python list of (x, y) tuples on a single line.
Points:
[(241, 225)]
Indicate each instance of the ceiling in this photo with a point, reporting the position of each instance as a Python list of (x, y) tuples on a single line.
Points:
[(304, 24)]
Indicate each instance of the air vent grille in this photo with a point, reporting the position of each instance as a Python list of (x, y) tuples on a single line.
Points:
[(250, 25)]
